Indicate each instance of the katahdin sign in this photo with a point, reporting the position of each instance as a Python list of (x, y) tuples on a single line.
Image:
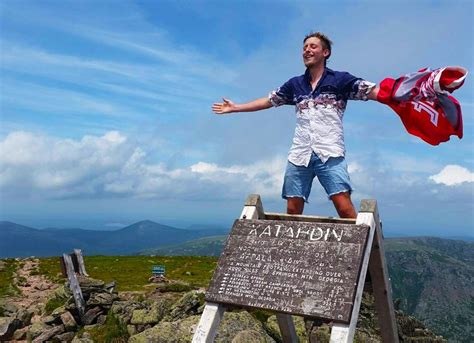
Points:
[(300, 268), (301, 265)]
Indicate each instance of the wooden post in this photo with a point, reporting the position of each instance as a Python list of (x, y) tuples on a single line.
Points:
[(380, 280), (343, 333), (74, 285), (80, 262)]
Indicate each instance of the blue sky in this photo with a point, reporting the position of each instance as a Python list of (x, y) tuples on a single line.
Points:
[(105, 110)]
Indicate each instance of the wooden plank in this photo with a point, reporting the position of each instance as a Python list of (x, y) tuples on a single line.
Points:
[(380, 280), (80, 262), (341, 333), (209, 323), (74, 285), (287, 328), (305, 218)]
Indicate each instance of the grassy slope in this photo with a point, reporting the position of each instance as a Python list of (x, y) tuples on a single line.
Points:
[(132, 272)]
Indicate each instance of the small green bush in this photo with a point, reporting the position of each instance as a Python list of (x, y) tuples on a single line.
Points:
[(53, 304), (111, 332), (176, 287)]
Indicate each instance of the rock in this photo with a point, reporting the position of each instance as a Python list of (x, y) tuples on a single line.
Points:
[(91, 315), (66, 337), (68, 321), (85, 338), (36, 329), (249, 336), (124, 309), (109, 287), (158, 279), (20, 334), (8, 309), (101, 319), (52, 320), (89, 285), (49, 333), (101, 299), (131, 330), (8, 325), (188, 305), (58, 311), (235, 322), (24, 316), (152, 315), (2, 266), (42, 286), (180, 331)]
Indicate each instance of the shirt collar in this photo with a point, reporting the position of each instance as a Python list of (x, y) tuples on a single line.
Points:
[(307, 75)]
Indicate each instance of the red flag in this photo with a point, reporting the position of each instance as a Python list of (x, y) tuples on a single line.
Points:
[(424, 104)]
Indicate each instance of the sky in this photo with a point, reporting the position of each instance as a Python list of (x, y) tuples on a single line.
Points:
[(105, 110)]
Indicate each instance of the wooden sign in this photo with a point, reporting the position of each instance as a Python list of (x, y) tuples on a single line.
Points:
[(299, 268)]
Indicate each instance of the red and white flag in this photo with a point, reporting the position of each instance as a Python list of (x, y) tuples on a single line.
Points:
[(424, 102)]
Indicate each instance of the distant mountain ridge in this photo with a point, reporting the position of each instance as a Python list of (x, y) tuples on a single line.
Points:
[(21, 241)]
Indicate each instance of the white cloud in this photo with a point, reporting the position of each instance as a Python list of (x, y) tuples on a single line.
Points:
[(114, 166), (452, 175)]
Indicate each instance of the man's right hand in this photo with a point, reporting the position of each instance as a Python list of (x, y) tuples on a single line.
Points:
[(226, 106)]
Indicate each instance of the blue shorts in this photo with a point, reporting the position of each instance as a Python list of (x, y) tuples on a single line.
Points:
[(332, 175)]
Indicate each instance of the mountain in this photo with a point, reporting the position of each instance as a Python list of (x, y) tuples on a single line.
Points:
[(206, 246), (21, 241), (434, 280)]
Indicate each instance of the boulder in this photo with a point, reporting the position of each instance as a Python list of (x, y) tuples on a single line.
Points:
[(20, 334), (84, 338), (36, 329), (150, 315), (103, 299), (89, 285), (49, 333), (8, 325), (91, 315), (190, 304), (235, 322), (68, 321), (247, 336), (124, 309), (180, 331), (66, 337)]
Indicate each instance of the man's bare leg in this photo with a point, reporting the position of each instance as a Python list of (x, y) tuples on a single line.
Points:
[(343, 204), (295, 205)]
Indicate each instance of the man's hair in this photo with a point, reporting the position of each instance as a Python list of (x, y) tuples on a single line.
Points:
[(326, 42)]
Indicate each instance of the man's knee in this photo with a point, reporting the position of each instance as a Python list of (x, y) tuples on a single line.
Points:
[(343, 204), (295, 206)]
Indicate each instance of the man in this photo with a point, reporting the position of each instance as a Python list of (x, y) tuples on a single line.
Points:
[(320, 97)]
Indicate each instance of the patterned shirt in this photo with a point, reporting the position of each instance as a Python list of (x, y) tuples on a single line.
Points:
[(319, 112)]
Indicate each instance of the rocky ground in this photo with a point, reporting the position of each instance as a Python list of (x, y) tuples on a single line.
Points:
[(170, 313)]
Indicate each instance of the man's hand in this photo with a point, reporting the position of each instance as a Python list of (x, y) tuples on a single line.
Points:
[(226, 106)]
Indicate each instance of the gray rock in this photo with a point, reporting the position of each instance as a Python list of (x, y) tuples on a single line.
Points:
[(180, 331), (235, 322), (49, 333), (89, 285), (188, 305), (91, 315), (101, 299), (24, 316), (150, 315), (124, 309), (85, 338), (20, 334), (66, 337), (36, 329), (8, 309), (247, 336), (8, 325), (68, 321), (101, 319)]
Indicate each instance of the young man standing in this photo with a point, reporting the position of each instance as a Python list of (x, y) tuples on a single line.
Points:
[(320, 96)]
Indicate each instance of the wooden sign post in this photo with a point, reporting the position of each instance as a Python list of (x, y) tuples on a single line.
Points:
[(301, 265)]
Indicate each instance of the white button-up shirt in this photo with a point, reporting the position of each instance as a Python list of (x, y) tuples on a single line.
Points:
[(319, 112)]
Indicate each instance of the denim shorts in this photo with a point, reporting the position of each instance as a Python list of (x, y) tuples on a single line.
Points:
[(332, 175)]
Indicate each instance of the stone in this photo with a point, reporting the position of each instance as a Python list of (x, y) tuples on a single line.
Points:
[(8, 325), (91, 315), (124, 309), (150, 315), (101, 299), (66, 337), (89, 285), (249, 336), (36, 329), (68, 321), (49, 333), (101, 319), (85, 338), (24, 316), (235, 322), (188, 305), (58, 311), (20, 334), (179, 331)]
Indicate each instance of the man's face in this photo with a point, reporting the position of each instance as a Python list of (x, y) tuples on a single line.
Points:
[(313, 52)]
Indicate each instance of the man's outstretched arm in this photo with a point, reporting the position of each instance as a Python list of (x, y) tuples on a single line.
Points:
[(228, 106)]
